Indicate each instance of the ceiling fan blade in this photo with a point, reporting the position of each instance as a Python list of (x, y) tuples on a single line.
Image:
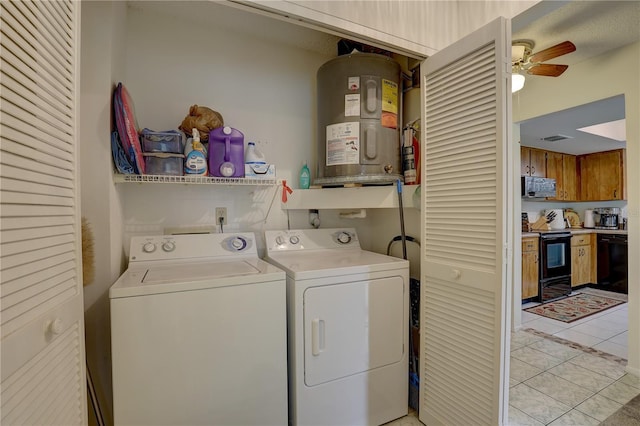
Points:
[(547, 70), (553, 52)]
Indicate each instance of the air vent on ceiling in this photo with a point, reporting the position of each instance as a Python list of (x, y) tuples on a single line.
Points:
[(555, 138)]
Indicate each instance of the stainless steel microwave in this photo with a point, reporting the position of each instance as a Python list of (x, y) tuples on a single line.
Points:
[(538, 187)]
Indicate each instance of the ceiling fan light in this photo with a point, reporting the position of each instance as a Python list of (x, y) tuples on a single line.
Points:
[(517, 82)]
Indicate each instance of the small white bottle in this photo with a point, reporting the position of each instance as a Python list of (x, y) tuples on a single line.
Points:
[(253, 155), (255, 160)]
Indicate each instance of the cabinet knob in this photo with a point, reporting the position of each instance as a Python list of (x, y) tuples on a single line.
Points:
[(455, 274), (54, 326)]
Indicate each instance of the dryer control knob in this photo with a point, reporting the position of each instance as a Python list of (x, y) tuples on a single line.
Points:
[(149, 248), (279, 240), (238, 243), (294, 239), (168, 246), (344, 238)]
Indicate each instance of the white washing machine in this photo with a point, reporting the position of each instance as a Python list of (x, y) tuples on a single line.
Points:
[(348, 314), (198, 331)]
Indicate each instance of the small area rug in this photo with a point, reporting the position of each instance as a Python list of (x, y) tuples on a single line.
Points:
[(573, 308)]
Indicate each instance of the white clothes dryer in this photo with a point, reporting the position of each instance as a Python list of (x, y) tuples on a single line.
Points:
[(198, 331), (348, 314)]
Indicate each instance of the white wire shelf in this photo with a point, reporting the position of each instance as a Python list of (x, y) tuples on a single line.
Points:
[(202, 180)]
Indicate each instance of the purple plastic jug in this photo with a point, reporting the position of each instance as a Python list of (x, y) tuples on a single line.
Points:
[(226, 152)]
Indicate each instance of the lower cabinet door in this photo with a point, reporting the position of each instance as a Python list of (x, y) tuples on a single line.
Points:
[(580, 265), (529, 274)]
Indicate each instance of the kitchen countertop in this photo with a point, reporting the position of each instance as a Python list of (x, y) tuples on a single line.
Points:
[(577, 231)]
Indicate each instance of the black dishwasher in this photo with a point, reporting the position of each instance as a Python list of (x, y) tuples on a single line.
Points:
[(613, 263)]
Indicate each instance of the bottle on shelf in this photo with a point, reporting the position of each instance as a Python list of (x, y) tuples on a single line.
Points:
[(305, 176), (253, 155), (196, 161)]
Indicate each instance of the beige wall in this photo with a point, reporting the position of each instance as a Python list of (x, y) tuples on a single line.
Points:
[(607, 75), (102, 35)]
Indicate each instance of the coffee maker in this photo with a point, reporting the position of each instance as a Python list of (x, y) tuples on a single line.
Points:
[(607, 217)]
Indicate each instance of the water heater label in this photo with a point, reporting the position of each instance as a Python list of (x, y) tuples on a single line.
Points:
[(343, 144), (389, 116), (352, 105), (354, 83)]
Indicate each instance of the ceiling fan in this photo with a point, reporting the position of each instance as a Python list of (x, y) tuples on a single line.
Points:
[(523, 60)]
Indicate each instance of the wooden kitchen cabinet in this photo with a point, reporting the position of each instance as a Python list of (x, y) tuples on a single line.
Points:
[(532, 162), (563, 168), (611, 185), (583, 259), (602, 176), (530, 270)]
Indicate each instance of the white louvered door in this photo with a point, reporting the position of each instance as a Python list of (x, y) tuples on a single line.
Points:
[(42, 331), (465, 243)]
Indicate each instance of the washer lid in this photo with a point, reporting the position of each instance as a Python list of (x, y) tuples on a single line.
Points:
[(197, 272), (167, 277), (329, 263)]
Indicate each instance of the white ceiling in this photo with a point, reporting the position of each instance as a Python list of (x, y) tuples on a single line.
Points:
[(568, 121), (595, 27)]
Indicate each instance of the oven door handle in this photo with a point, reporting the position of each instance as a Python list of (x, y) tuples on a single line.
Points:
[(554, 239)]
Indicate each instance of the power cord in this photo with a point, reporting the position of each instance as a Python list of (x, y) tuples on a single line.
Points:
[(221, 220)]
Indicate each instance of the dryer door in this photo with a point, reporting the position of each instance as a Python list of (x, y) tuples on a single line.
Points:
[(353, 327)]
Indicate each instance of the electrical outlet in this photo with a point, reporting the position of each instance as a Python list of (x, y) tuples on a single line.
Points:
[(221, 212)]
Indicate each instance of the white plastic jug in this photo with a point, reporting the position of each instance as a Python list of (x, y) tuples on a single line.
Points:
[(253, 155)]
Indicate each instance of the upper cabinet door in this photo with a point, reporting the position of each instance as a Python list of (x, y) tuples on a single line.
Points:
[(532, 162), (569, 177), (465, 239), (414, 28), (398, 26), (602, 176), (612, 175), (554, 171)]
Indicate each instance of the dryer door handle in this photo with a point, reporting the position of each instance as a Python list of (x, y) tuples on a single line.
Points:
[(317, 336)]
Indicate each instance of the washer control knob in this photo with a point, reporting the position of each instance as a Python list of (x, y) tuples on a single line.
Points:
[(279, 240), (238, 243), (168, 246), (294, 239), (149, 248), (344, 238)]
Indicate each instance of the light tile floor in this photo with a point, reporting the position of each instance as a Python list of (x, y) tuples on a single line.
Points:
[(554, 384), (605, 331), (558, 385)]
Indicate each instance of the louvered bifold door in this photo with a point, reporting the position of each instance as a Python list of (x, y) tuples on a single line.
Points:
[(41, 309), (464, 239)]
